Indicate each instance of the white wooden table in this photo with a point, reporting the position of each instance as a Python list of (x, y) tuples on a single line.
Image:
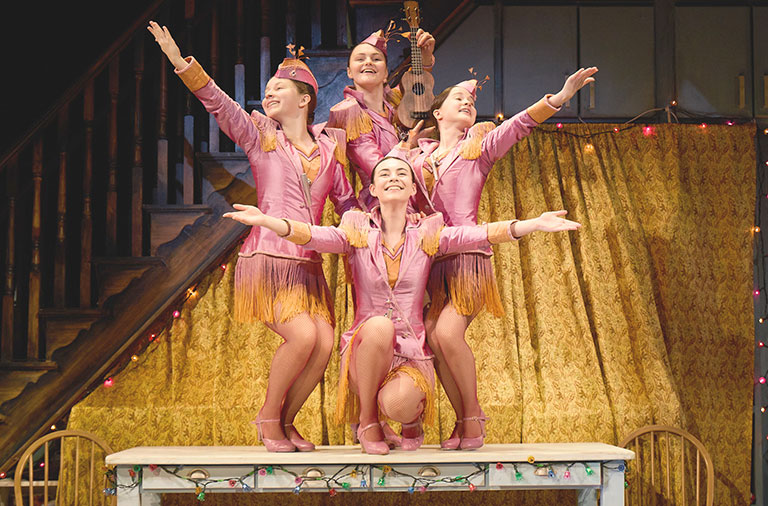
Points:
[(143, 473)]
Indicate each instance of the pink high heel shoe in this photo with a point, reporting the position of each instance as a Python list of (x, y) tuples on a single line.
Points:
[(413, 443), (273, 445), (453, 442), (392, 439), (473, 443), (371, 447), (299, 442)]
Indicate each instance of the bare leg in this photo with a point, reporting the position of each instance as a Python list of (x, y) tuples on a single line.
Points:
[(299, 335), (444, 374), (371, 358), (313, 372), (448, 335)]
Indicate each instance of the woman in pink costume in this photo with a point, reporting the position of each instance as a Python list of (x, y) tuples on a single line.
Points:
[(450, 174), (387, 368), (368, 112), (296, 166)]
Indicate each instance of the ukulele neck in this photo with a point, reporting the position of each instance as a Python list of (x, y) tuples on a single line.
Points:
[(416, 64)]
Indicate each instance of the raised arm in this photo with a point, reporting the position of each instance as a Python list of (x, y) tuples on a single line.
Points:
[(499, 140), (232, 119), (317, 238)]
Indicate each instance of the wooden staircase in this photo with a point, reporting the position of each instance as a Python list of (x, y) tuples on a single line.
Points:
[(113, 200)]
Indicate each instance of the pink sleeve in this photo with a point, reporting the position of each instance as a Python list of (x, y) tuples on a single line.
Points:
[(501, 139), (464, 238), (342, 195), (364, 153), (328, 240), (232, 119)]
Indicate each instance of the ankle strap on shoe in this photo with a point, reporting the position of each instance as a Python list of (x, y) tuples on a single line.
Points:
[(416, 423), (360, 430)]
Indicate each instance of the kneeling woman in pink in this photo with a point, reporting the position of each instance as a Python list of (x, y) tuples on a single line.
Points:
[(451, 172), (387, 365), (296, 166)]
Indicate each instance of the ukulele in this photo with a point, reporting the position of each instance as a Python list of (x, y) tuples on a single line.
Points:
[(416, 83)]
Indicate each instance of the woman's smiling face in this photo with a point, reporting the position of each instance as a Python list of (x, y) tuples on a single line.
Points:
[(367, 66)]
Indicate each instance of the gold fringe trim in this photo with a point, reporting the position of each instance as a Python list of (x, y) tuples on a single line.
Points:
[(292, 302), (430, 229), (356, 226), (466, 282), (267, 131), (471, 148), (394, 97), (347, 115), (422, 384), (347, 403)]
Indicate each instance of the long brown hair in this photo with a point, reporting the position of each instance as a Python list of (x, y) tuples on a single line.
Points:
[(305, 89), (437, 103)]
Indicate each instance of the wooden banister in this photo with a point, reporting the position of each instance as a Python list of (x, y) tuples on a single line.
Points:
[(76, 89)]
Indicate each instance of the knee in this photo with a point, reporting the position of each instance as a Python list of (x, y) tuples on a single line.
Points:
[(324, 343), (447, 337), (305, 339), (401, 401), (378, 332)]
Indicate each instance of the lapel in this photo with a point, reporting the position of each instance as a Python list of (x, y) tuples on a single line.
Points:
[(293, 157), (446, 163), (376, 248), (410, 248)]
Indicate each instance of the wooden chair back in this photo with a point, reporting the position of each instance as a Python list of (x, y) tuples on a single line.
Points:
[(87, 449), (668, 468)]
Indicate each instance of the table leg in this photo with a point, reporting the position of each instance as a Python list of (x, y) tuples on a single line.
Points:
[(133, 496), (612, 491), (587, 497)]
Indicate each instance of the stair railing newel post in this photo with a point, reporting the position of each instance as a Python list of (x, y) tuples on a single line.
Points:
[(213, 127), (86, 224), (60, 256), (6, 338), (161, 194), (33, 308), (188, 167), (239, 57), (137, 193), (111, 203), (265, 45)]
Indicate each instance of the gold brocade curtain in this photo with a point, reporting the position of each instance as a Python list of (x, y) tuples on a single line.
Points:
[(642, 316)]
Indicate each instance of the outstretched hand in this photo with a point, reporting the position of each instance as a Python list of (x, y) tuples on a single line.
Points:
[(574, 83), (247, 215), (553, 221), (167, 44), (416, 133)]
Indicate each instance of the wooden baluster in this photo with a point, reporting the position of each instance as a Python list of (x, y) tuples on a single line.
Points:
[(60, 257), (264, 55), (189, 121), (162, 136), (137, 194), (290, 26), (213, 127), (316, 11), (114, 90), (6, 347), (33, 349), (181, 151), (341, 23), (86, 223)]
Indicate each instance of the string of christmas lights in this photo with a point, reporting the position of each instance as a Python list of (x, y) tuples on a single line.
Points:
[(337, 482)]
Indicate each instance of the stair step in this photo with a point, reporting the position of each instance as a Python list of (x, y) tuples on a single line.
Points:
[(12, 383), (114, 274), (28, 365), (221, 169), (166, 222), (60, 326)]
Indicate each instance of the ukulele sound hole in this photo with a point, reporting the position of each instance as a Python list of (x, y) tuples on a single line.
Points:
[(418, 88)]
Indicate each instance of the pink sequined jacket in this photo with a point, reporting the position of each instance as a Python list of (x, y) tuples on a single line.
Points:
[(369, 134), (359, 237), (463, 171), (282, 188)]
